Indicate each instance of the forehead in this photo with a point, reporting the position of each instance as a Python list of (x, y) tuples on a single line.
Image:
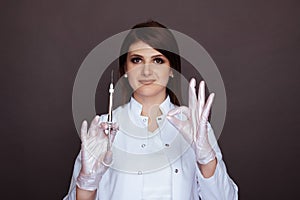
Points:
[(142, 48)]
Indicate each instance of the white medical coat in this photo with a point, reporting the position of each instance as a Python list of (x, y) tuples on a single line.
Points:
[(125, 180)]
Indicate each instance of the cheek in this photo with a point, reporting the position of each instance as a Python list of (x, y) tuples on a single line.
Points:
[(132, 68), (132, 82), (133, 71), (164, 76), (132, 78), (164, 81)]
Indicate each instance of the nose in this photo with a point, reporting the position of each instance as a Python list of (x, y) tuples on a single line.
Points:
[(146, 71)]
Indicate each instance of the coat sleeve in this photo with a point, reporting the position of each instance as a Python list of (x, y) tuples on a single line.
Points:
[(77, 166), (219, 186), (72, 189)]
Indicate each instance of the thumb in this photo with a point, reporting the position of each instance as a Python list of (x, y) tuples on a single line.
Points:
[(108, 158), (83, 131), (177, 123), (174, 121), (180, 110)]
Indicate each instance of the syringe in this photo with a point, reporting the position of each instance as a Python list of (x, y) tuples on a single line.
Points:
[(111, 92)]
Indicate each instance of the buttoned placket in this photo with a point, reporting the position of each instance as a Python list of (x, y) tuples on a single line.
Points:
[(142, 121)]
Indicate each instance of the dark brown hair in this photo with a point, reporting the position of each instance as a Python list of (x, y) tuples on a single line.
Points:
[(161, 39)]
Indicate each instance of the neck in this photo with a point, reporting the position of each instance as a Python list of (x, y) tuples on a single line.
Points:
[(150, 104)]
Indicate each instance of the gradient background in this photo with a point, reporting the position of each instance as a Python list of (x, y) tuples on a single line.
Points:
[(255, 44)]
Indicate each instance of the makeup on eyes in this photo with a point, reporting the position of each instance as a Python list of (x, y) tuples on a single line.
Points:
[(158, 59)]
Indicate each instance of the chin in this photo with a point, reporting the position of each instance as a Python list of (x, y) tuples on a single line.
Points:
[(150, 90)]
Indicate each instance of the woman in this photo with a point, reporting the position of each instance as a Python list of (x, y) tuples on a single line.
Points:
[(160, 150)]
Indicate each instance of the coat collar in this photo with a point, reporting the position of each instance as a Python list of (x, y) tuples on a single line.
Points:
[(135, 110)]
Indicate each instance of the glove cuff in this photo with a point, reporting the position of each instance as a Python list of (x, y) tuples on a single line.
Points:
[(88, 182), (209, 157)]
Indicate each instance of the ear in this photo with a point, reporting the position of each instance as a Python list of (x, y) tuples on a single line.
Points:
[(171, 74), (125, 68)]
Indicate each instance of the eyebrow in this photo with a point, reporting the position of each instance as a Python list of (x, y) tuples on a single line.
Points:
[(158, 55)]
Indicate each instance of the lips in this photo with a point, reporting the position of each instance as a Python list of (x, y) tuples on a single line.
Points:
[(147, 82)]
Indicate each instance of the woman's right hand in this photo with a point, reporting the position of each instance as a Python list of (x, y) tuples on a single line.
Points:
[(96, 156)]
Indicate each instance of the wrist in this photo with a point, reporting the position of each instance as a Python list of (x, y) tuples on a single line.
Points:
[(82, 194), (205, 157), (88, 182), (208, 169)]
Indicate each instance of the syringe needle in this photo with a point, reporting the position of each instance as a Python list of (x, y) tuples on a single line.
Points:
[(111, 91), (112, 76)]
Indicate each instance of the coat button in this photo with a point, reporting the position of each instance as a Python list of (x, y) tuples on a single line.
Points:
[(143, 145), (176, 171), (139, 172), (167, 145)]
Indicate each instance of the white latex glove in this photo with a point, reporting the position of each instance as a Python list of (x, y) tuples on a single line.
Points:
[(96, 156), (195, 128)]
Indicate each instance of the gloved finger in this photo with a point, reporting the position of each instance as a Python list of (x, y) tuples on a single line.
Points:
[(115, 129), (105, 129), (201, 98), (180, 110), (115, 126), (182, 126), (105, 126), (108, 158), (83, 131), (93, 130), (112, 136), (192, 94), (207, 107), (177, 123)]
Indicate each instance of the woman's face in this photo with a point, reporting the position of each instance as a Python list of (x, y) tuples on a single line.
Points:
[(148, 70)]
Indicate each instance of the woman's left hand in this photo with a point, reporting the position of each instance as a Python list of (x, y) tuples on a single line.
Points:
[(195, 128)]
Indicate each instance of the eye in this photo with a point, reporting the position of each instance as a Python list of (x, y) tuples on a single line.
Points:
[(136, 60), (159, 60)]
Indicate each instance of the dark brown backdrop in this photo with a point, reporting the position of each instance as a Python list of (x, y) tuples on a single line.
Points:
[(256, 45)]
